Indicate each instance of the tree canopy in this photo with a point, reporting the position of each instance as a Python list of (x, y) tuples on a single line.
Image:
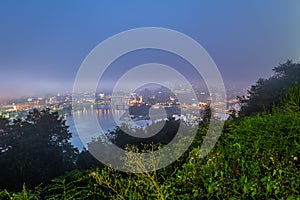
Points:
[(34, 150), (267, 92)]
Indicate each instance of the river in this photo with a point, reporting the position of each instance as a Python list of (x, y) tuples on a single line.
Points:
[(108, 119)]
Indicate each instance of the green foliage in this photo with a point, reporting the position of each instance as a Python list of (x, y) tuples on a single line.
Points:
[(25, 194), (71, 186), (267, 92), (4, 195), (291, 102)]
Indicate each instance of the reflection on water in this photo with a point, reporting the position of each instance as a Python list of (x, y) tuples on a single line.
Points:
[(108, 119), (105, 118)]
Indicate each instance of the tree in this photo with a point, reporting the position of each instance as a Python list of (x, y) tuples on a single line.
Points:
[(39, 150), (163, 132), (206, 114), (5, 132), (267, 92), (86, 160)]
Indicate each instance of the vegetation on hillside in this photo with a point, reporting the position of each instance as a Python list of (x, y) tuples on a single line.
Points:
[(256, 157)]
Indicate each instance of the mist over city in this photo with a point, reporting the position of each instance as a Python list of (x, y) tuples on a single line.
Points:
[(43, 44)]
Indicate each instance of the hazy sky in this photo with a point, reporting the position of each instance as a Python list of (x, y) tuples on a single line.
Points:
[(42, 43)]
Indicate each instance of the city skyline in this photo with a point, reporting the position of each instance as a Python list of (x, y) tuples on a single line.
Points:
[(44, 43)]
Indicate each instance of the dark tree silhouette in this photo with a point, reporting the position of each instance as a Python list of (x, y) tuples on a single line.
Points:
[(268, 92), (120, 137), (5, 134), (206, 114), (35, 150)]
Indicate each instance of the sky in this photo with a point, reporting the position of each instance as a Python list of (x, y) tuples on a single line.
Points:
[(43, 43)]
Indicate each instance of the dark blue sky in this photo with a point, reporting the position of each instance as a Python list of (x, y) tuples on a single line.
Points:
[(42, 43)]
